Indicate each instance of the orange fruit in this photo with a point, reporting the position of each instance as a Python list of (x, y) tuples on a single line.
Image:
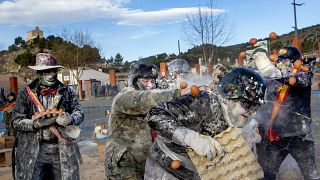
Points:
[(273, 36), (304, 68), (194, 90), (292, 81), (61, 110), (275, 51), (243, 54), (48, 111), (183, 85), (253, 41), (175, 164), (297, 64), (54, 111), (273, 57)]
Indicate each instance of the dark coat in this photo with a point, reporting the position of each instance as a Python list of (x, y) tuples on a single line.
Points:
[(294, 115), (28, 138), (203, 114)]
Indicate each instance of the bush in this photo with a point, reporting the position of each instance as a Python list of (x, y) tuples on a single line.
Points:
[(25, 59)]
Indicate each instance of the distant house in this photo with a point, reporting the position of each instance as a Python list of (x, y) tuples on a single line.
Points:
[(93, 82), (34, 34), (68, 75), (5, 83)]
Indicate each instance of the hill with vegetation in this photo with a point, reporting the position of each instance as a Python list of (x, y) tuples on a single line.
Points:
[(309, 36), (73, 53)]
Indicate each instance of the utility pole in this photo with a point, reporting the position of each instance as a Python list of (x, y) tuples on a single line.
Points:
[(295, 16), (179, 48), (296, 40)]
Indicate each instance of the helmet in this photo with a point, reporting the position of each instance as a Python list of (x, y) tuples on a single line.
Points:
[(178, 66), (141, 70), (245, 85), (289, 52), (11, 97)]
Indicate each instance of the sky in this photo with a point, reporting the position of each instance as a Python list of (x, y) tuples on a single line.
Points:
[(142, 28)]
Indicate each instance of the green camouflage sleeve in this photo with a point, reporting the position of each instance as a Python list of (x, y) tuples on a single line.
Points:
[(136, 102)]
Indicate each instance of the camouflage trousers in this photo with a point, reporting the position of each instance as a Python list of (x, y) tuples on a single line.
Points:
[(132, 176), (121, 164)]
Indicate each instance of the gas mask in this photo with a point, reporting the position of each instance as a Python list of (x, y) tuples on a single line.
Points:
[(48, 77)]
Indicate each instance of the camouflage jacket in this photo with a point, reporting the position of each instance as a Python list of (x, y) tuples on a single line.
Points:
[(28, 138), (129, 132)]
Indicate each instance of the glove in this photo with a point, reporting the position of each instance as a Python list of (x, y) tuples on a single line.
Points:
[(42, 120), (65, 119), (201, 144)]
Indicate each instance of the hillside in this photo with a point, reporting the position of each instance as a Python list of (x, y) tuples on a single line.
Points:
[(192, 55)]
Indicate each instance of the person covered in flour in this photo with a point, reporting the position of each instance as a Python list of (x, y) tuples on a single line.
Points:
[(46, 116), (191, 121)]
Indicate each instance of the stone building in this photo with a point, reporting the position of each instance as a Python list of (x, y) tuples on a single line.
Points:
[(34, 34)]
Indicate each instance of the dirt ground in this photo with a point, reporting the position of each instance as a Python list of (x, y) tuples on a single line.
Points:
[(92, 168)]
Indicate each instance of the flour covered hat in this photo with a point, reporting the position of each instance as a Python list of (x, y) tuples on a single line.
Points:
[(45, 61)]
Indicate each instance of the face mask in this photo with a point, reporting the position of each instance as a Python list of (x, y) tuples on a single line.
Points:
[(48, 78)]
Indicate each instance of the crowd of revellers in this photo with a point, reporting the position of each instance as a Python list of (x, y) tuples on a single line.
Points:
[(156, 120)]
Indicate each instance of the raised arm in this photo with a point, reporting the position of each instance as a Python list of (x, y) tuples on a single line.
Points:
[(135, 102)]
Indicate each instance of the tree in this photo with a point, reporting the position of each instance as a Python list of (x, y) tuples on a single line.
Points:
[(111, 60), (12, 47), (25, 59), (118, 60), (19, 42), (42, 44), (207, 29), (76, 52)]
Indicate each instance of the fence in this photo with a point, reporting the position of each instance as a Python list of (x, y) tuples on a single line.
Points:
[(93, 115)]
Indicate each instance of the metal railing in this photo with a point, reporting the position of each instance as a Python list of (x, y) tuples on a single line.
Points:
[(93, 115)]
